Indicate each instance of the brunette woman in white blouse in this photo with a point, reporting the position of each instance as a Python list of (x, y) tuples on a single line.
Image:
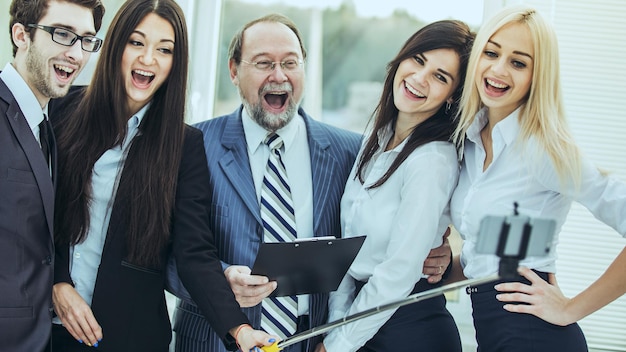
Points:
[(518, 148), (398, 195)]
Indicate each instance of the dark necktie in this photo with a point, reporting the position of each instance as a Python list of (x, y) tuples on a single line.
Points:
[(44, 138), (279, 314)]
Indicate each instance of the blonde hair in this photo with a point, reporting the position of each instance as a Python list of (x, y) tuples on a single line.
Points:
[(541, 116)]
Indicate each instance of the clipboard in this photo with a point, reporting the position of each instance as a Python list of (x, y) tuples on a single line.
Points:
[(312, 265)]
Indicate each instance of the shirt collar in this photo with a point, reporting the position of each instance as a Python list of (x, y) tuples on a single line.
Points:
[(133, 126), (24, 96), (136, 119), (480, 120), (384, 136), (255, 134), (508, 128)]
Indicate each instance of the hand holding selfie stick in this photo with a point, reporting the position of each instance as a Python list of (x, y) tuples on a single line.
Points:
[(516, 237)]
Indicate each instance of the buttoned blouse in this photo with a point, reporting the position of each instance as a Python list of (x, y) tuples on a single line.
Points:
[(85, 256), (522, 172), (402, 219)]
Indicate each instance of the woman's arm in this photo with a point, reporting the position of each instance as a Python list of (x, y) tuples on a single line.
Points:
[(76, 314), (196, 256), (605, 198), (546, 301)]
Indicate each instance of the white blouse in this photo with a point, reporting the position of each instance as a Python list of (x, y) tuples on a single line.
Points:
[(402, 219), (523, 173)]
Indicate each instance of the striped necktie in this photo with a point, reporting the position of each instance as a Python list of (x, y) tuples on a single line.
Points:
[(279, 314)]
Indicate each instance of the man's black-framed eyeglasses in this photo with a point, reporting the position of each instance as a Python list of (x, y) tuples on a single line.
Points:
[(66, 37)]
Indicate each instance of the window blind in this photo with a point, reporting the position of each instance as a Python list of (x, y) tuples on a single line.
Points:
[(592, 50)]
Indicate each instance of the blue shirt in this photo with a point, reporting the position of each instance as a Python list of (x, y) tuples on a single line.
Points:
[(85, 256)]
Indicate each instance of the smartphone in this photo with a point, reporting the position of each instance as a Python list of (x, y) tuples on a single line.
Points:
[(516, 236)]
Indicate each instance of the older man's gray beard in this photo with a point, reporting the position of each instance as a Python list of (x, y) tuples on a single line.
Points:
[(269, 121)]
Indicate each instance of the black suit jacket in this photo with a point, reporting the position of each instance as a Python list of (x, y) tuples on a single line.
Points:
[(129, 300), (26, 246)]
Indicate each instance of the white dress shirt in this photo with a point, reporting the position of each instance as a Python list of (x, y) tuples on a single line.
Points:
[(402, 219), (523, 173), (297, 159)]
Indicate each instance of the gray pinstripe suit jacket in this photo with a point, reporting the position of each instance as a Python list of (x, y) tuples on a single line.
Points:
[(235, 215)]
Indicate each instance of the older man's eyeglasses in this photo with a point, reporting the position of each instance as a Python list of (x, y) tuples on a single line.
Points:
[(268, 66), (68, 38)]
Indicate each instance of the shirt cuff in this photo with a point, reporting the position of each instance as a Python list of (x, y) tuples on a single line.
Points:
[(336, 342)]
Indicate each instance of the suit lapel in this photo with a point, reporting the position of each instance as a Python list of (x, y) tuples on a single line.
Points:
[(236, 165), (33, 153), (323, 168)]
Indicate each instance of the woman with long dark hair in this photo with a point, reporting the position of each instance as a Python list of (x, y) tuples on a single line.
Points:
[(398, 194), (132, 187)]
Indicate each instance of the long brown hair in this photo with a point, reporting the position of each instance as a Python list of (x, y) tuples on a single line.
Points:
[(446, 34), (99, 122)]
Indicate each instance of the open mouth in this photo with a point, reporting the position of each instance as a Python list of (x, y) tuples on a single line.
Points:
[(276, 100), (495, 86), (142, 78), (414, 91), (63, 72)]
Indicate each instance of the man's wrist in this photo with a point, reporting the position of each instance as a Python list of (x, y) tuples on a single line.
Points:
[(448, 270), (236, 334)]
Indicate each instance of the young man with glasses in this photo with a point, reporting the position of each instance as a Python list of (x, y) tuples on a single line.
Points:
[(43, 67)]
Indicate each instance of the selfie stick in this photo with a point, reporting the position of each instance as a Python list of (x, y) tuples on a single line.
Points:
[(509, 262), (414, 298), (507, 270)]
